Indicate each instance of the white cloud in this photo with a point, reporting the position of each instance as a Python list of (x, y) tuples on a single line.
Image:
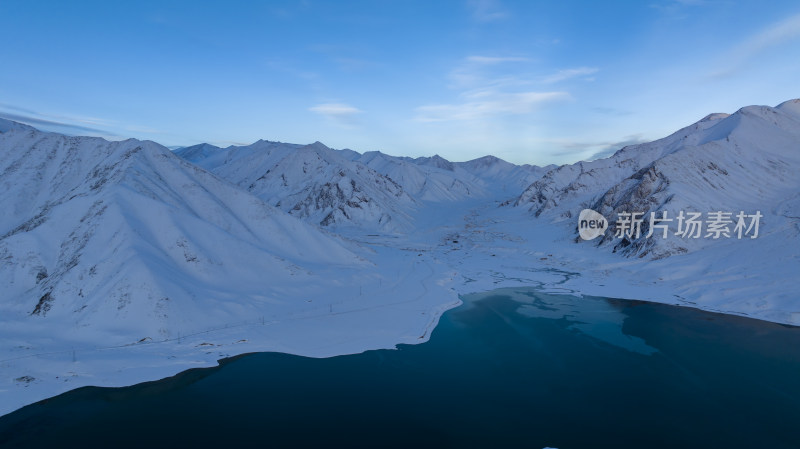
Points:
[(334, 109), (566, 74), (775, 34), (574, 150), (489, 60), (487, 88), (340, 113), (74, 125), (485, 103)]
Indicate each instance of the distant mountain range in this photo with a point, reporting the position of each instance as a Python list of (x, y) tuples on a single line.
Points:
[(342, 188)]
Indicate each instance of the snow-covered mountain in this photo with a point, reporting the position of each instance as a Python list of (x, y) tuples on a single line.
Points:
[(122, 262), (117, 248), (370, 191), (125, 239), (433, 179), (437, 179), (197, 153), (747, 161), (343, 188), (312, 182), (502, 175), (8, 125)]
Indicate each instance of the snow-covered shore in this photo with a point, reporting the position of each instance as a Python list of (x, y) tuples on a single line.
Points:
[(420, 278)]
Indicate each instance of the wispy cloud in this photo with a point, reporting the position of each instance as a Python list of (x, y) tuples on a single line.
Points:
[(53, 125), (79, 125), (484, 71), (773, 35), (481, 104), (12, 107), (563, 75), (340, 113), (490, 60), (497, 85), (227, 143), (594, 150), (613, 147), (487, 10), (62, 120), (495, 71)]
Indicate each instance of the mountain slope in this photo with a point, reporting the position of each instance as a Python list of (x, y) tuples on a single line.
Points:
[(436, 179), (428, 179), (315, 183), (196, 153), (504, 176), (746, 161), (8, 125), (342, 188), (128, 239)]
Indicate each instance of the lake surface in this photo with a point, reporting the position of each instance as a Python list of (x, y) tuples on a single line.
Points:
[(509, 368)]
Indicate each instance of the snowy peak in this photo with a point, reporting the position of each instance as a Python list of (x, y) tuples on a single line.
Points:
[(484, 162), (790, 107), (425, 179), (745, 161), (9, 125), (198, 152), (715, 116), (502, 175), (287, 176), (315, 183), (435, 161), (122, 235), (317, 145)]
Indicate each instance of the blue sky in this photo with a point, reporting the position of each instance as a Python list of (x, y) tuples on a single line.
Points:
[(533, 82)]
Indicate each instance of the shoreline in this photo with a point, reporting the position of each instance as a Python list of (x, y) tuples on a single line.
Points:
[(161, 373)]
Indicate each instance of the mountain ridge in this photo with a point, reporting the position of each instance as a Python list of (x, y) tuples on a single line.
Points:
[(700, 167)]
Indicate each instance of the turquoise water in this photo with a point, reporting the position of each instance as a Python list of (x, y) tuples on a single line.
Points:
[(511, 368)]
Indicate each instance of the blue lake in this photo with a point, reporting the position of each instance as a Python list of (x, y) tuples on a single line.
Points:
[(509, 368)]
